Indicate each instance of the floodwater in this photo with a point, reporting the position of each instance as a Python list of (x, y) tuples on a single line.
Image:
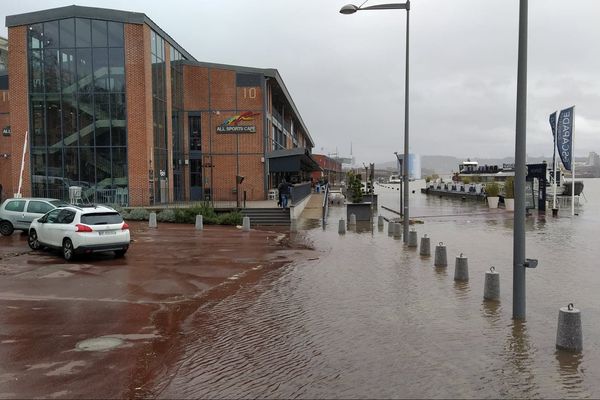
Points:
[(367, 317)]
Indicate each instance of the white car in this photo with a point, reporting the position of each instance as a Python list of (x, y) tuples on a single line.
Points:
[(80, 230)]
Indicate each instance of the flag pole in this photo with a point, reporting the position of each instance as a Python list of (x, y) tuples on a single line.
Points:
[(22, 166), (554, 130), (573, 165)]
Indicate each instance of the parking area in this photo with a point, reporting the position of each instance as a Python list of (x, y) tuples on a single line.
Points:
[(105, 326)]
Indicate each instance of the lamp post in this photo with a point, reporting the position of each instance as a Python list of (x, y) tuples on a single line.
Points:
[(351, 9)]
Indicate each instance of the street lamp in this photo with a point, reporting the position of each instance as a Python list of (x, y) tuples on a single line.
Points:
[(351, 9)]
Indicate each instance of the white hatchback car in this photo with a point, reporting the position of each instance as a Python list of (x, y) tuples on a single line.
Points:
[(80, 230)]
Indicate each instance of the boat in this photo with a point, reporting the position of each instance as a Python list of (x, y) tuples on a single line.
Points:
[(395, 179)]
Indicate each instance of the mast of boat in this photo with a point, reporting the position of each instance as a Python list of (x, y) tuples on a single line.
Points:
[(573, 165), (554, 130)]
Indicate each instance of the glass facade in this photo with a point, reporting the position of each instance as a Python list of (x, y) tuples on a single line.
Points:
[(160, 187), (176, 59), (77, 102)]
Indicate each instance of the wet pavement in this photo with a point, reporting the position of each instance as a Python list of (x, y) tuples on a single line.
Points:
[(106, 327), (333, 316)]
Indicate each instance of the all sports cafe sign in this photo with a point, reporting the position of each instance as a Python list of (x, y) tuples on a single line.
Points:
[(233, 124)]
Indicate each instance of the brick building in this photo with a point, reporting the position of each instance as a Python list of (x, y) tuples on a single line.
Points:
[(331, 169), (112, 104)]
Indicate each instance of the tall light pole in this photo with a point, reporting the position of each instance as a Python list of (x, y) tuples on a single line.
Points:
[(351, 9), (400, 168)]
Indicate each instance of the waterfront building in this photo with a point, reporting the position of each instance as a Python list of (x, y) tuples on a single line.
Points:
[(330, 169), (114, 105)]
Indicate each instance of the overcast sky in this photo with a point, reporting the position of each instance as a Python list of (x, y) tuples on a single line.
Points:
[(346, 72)]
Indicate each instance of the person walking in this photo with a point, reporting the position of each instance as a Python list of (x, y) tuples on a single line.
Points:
[(284, 192)]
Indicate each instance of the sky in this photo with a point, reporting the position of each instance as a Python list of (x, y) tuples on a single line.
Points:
[(346, 73)]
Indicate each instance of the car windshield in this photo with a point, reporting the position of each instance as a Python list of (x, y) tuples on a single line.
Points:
[(101, 218), (58, 203)]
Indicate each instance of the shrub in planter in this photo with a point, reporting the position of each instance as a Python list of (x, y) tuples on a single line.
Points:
[(355, 186), (167, 215), (492, 189), (139, 214), (509, 188)]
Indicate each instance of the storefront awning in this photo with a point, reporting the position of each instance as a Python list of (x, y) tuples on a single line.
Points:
[(292, 160)]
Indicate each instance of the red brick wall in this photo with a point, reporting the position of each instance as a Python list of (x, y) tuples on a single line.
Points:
[(138, 77), (19, 109), (224, 102), (5, 146)]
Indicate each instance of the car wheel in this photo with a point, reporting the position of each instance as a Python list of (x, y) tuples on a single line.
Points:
[(120, 253), (67, 250), (33, 241), (6, 228)]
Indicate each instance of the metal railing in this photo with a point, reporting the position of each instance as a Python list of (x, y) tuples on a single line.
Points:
[(325, 204), (300, 191)]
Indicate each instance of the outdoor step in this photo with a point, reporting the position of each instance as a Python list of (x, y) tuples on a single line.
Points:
[(267, 216)]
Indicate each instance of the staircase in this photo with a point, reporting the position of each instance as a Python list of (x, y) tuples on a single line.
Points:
[(267, 216)]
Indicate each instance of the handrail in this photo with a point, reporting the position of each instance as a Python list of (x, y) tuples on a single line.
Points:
[(325, 204)]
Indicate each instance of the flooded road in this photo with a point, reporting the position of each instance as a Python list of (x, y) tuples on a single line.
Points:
[(366, 317)]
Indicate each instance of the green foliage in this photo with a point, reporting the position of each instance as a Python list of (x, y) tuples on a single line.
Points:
[(230, 218), (509, 188), (139, 214), (466, 180), (492, 189), (435, 176), (355, 186), (428, 179), (167, 215)]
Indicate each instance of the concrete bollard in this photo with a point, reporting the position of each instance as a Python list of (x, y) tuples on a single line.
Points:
[(199, 222), (568, 334), (246, 224), (390, 228), (397, 230), (342, 227), (152, 220), (441, 257), (425, 249), (293, 225), (461, 268), (491, 289), (412, 238), (380, 221), (352, 220)]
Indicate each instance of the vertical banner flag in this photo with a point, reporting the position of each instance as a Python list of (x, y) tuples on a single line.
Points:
[(564, 140), (553, 123), (553, 126)]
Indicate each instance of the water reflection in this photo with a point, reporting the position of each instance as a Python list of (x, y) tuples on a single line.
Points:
[(570, 372), (462, 289)]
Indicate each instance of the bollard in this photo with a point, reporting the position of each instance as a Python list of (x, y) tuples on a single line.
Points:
[(425, 246), (342, 227), (246, 224), (152, 220), (199, 222), (293, 225), (491, 289), (380, 221), (461, 269), (352, 219), (397, 230), (568, 334), (441, 257), (412, 238), (390, 228)]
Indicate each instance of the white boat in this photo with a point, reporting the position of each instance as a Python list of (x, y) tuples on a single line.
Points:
[(395, 179)]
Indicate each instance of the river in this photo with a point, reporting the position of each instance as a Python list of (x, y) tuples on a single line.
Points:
[(367, 317)]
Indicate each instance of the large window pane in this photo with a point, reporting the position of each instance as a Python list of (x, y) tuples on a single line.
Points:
[(51, 34), (86, 120), (67, 32), (115, 34), (69, 120), (116, 60), (35, 71), (85, 77), (51, 70), (72, 164), (68, 70), (103, 167), (102, 117), (38, 171), (83, 31), (55, 162), (53, 119), (119, 162), (87, 162), (36, 36), (38, 133), (100, 69), (99, 34)]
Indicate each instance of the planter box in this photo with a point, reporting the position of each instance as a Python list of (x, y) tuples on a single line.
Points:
[(370, 198), (493, 201), (509, 204), (362, 211)]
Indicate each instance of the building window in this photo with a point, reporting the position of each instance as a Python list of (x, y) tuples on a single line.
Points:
[(77, 103)]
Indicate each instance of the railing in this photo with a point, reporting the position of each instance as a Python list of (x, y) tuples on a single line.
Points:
[(300, 191)]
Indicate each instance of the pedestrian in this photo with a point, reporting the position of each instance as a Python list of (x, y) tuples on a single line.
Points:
[(284, 192)]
